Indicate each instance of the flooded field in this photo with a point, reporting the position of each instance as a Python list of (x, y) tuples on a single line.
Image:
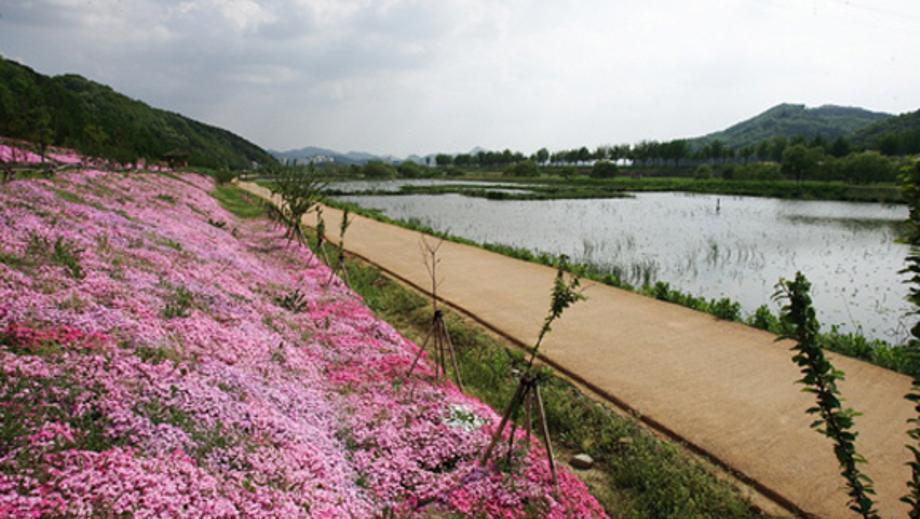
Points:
[(355, 186), (709, 245)]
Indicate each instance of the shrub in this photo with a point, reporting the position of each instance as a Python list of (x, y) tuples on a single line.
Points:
[(524, 168), (764, 319), (603, 169), (868, 166), (661, 290), (703, 172), (409, 169), (377, 169), (725, 308), (223, 176)]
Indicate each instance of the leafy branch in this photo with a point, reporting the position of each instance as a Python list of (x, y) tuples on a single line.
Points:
[(912, 196), (300, 190), (820, 378), (565, 294)]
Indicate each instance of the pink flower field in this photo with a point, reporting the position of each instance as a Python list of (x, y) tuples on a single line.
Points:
[(147, 369)]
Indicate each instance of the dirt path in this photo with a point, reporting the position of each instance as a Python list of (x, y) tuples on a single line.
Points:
[(725, 389)]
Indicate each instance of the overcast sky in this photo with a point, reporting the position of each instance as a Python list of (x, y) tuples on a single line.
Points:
[(446, 75)]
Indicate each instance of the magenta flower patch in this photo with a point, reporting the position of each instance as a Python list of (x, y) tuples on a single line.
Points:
[(166, 381)]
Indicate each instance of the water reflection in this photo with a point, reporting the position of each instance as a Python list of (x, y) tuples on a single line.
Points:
[(710, 245)]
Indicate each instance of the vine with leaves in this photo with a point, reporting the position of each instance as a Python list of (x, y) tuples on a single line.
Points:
[(911, 186), (820, 377)]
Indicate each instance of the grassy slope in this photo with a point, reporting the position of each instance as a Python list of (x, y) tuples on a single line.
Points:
[(237, 201)]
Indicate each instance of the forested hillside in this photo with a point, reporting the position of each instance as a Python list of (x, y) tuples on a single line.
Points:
[(895, 136), (72, 111), (791, 120)]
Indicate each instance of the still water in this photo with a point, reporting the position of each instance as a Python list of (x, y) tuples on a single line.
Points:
[(354, 186), (847, 250)]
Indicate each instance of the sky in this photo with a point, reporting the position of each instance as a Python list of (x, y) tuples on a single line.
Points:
[(399, 76)]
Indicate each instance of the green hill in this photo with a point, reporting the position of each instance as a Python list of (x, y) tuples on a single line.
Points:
[(790, 120), (894, 136), (72, 111)]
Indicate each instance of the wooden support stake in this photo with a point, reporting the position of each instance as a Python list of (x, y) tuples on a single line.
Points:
[(546, 440), (453, 355), (421, 350), (444, 351), (501, 426), (528, 395), (528, 408)]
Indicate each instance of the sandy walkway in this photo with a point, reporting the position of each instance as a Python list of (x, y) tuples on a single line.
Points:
[(724, 388)]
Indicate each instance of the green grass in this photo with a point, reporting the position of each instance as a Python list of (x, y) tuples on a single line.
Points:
[(68, 196), (42, 250), (237, 201), (178, 303)]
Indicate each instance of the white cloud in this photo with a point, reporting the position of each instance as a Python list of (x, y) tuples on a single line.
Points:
[(406, 76)]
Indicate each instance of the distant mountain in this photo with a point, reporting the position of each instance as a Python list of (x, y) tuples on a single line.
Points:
[(313, 154), (894, 135), (790, 120), (76, 112), (317, 155)]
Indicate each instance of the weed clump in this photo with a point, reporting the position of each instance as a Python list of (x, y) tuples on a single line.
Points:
[(60, 252), (293, 302), (179, 303)]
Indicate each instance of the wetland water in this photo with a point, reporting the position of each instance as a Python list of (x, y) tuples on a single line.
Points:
[(847, 250)]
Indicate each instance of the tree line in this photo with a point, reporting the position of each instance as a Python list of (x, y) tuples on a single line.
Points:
[(796, 158), (682, 152)]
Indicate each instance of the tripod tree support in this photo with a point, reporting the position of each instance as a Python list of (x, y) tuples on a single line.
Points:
[(444, 350), (564, 294)]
